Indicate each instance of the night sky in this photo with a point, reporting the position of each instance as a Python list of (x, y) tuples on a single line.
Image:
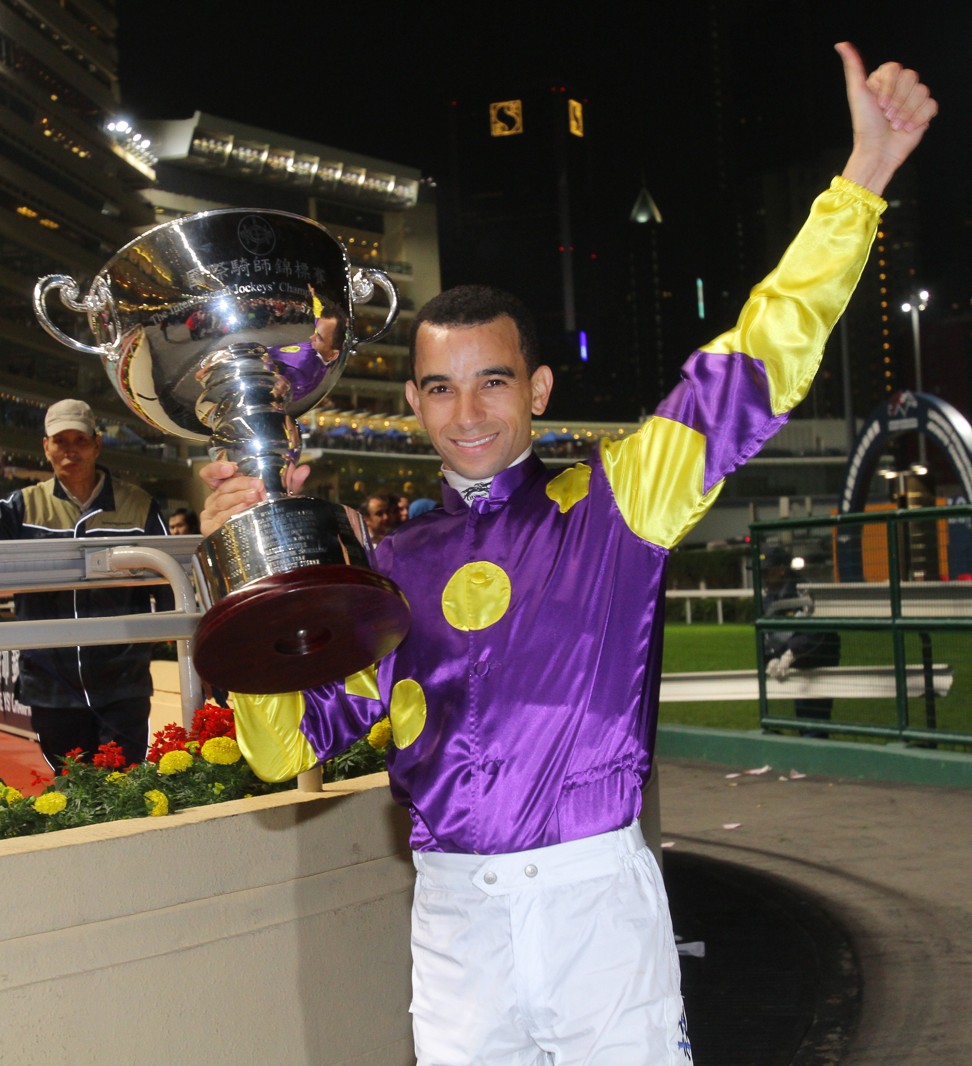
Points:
[(378, 79)]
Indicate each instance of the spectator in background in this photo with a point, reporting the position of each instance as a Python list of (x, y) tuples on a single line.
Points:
[(420, 506), (377, 512), (83, 697), (183, 521), (397, 512), (788, 650)]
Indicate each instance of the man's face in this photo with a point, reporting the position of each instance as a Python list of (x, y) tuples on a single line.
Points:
[(473, 396), (378, 519), (777, 576), (322, 339), (72, 455), (178, 526)]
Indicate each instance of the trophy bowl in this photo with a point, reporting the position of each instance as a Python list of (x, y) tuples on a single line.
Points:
[(224, 327)]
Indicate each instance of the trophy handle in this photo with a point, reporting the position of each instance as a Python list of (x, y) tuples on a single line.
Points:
[(362, 289), (97, 302)]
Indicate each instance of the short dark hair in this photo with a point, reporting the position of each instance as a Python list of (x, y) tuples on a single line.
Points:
[(365, 508), (475, 305), (330, 309), (192, 519)]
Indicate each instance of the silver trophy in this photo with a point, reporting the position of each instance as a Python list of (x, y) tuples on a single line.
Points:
[(224, 327)]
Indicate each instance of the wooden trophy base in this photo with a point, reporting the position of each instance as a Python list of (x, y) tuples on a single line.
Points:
[(301, 628)]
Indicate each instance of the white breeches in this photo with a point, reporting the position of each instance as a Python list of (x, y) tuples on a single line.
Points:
[(559, 956)]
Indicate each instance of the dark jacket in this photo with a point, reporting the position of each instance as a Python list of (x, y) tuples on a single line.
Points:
[(78, 676), (811, 648)]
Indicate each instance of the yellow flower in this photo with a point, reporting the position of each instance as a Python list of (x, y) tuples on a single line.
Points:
[(380, 734), (223, 751), (175, 762), (10, 794), (158, 803), (50, 803), (115, 776), (218, 787)]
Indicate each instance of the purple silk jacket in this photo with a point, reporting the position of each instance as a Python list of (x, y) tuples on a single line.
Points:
[(524, 700)]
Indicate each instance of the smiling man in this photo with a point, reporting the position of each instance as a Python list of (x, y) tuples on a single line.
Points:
[(523, 701), (476, 383), (83, 697)]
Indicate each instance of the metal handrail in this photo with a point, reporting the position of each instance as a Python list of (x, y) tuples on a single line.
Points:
[(85, 563)]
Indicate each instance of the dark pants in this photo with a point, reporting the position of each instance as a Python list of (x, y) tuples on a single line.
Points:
[(819, 709), (61, 729)]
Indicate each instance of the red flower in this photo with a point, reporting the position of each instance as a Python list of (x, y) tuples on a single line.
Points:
[(172, 738), (75, 755), (110, 756), (210, 721)]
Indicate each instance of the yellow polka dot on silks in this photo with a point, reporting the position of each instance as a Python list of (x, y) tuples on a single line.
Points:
[(407, 712), (476, 596)]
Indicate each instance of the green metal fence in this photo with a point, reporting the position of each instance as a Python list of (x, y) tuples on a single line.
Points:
[(877, 610)]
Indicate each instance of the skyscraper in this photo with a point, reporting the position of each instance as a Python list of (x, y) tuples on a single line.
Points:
[(519, 210), (71, 196)]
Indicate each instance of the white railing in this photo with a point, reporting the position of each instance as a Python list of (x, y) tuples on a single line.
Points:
[(688, 595)]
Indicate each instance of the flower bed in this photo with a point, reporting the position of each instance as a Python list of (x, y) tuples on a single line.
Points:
[(184, 768), (263, 930)]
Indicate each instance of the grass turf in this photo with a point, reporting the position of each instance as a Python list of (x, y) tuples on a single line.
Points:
[(703, 647)]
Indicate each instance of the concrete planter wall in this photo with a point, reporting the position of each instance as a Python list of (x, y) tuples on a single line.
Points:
[(270, 930)]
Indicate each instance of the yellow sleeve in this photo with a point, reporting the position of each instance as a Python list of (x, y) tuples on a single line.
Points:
[(268, 733), (789, 315), (657, 477), (666, 476)]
